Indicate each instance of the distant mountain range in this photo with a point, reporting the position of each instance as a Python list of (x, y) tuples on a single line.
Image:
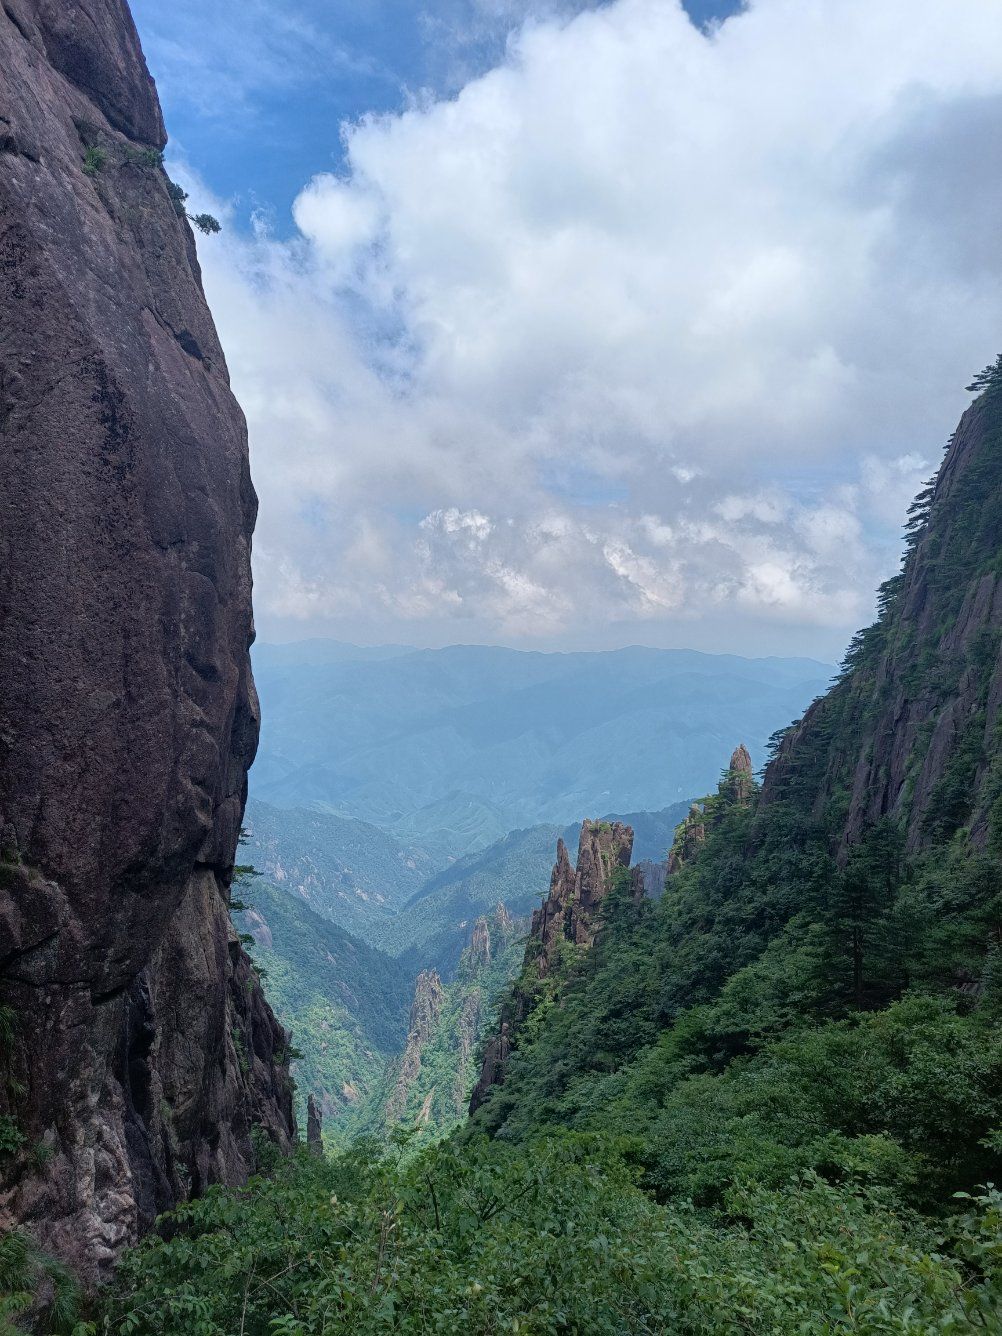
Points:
[(449, 750)]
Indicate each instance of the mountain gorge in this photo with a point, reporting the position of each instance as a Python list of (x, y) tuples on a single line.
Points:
[(736, 1067), (768, 1101)]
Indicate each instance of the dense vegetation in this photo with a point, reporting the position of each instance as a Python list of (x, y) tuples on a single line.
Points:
[(344, 1002), (769, 1103), (552, 1237)]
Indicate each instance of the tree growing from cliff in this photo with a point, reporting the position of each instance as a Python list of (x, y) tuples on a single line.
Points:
[(203, 221)]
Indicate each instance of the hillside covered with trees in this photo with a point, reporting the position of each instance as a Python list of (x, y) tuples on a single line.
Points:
[(769, 1102)]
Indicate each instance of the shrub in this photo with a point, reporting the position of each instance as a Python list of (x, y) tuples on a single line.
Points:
[(94, 160)]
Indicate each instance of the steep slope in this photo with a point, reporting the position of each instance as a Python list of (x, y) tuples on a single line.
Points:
[(128, 716), (347, 870), (344, 1002), (566, 922), (819, 987), (430, 1083)]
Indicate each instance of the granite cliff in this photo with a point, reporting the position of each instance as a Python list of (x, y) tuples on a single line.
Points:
[(143, 1051), (569, 916), (910, 732)]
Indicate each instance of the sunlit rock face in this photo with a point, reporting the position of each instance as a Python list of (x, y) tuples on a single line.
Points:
[(143, 1048), (570, 913)]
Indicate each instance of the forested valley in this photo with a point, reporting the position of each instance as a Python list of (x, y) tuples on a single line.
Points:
[(770, 1101)]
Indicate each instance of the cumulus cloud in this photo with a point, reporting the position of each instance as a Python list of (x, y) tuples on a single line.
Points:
[(649, 329)]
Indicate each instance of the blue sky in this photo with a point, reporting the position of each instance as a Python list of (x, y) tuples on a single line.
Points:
[(254, 91), (568, 324)]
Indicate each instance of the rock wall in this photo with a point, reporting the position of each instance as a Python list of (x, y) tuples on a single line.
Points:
[(912, 728), (143, 1050), (569, 911)]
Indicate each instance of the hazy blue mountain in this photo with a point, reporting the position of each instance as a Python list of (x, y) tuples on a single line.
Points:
[(347, 870), (450, 749)]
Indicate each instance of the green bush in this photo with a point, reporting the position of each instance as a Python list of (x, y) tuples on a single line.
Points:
[(551, 1238), (94, 161)]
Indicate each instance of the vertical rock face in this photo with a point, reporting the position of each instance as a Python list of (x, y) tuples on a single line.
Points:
[(144, 1050), (568, 914), (479, 950), (467, 1032), (911, 729), (739, 774), (496, 1055), (314, 1128), (689, 839)]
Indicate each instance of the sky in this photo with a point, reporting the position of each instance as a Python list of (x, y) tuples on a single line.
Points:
[(573, 325)]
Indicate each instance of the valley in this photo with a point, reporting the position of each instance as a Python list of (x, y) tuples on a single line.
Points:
[(401, 876), (553, 985)]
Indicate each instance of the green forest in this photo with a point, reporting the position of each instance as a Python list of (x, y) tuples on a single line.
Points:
[(770, 1102)]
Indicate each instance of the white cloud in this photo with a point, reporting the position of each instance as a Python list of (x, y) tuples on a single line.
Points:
[(655, 324)]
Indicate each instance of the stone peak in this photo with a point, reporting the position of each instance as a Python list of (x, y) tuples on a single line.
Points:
[(741, 759)]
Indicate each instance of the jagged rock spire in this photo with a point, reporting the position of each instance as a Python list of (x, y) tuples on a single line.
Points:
[(740, 758), (425, 1011), (479, 950), (576, 893), (740, 779), (314, 1128), (569, 913)]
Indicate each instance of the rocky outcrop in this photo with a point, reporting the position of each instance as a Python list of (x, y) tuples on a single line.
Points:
[(479, 949), (496, 1055), (689, 839), (144, 1052), (737, 788), (425, 1010), (314, 1128), (740, 779), (468, 1027), (569, 914), (911, 729)]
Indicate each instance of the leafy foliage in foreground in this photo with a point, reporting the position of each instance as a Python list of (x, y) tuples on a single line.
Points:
[(553, 1237), (25, 1272)]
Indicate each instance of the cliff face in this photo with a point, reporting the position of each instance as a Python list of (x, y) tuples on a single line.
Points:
[(431, 1080), (143, 1048), (911, 731), (425, 1010)]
